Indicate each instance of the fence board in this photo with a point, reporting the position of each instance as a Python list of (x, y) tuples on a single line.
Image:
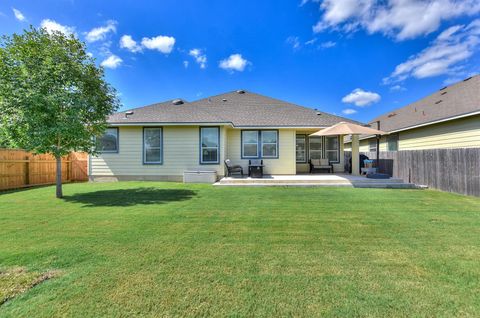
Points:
[(453, 170), (19, 168)]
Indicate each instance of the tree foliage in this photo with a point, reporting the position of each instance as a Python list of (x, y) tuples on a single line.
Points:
[(53, 98)]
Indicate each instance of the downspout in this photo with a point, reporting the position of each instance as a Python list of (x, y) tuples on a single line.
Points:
[(378, 147)]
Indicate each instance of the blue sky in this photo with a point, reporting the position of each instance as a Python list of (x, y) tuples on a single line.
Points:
[(353, 58)]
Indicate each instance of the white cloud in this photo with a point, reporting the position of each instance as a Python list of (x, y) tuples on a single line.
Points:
[(361, 98), (397, 88), (185, 64), (328, 44), (401, 19), (160, 43), (234, 62), (18, 15), (447, 54), (294, 42), (310, 42), (112, 61), (52, 26), (349, 111), (127, 42), (199, 56), (100, 33)]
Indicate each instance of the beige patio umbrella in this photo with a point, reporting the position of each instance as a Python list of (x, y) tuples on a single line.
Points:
[(344, 128)]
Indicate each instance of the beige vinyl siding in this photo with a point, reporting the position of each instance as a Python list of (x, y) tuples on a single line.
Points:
[(285, 164), (180, 152), (459, 133), (365, 145)]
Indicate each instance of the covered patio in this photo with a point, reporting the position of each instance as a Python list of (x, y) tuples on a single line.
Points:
[(342, 129)]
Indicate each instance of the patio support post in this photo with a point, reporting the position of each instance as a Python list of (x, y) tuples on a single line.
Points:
[(355, 155)]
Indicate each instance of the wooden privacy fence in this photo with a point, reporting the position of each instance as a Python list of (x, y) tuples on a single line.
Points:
[(453, 170), (19, 168)]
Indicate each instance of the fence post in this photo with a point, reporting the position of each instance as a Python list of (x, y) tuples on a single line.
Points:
[(27, 170), (68, 167)]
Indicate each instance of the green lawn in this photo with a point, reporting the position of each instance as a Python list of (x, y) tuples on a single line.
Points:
[(168, 249)]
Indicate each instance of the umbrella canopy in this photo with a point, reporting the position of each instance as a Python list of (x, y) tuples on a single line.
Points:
[(344, 128)]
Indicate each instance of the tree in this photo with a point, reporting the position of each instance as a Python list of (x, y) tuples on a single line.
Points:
[(53, 98)]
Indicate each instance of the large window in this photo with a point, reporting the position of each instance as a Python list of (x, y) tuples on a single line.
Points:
[(152, 145), (392, 142), (269, 140), (301, 149), (209, 145), (250, 144), (108, 142), (372, 145), (259, 144), (315, 146), (332, 148)]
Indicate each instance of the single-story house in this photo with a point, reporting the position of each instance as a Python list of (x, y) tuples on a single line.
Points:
[(449, 118), (161, 141)]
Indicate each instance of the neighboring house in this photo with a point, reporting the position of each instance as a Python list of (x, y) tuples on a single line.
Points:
[(161, 141), (449, 118)]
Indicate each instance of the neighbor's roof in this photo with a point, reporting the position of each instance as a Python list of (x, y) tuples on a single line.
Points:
[(460, 99), (245, 109)]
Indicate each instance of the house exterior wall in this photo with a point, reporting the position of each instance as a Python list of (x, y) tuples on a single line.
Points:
[(284, 164), (459, 133), (181, 151)]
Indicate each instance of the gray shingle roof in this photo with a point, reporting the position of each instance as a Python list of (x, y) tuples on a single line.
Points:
[(454, 100), (241, 110)]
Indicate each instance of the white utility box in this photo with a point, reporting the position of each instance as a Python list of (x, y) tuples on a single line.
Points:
[(198, 176)]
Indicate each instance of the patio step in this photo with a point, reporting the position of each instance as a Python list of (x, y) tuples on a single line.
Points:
[(322, 184), (335, 180), (306, 181)]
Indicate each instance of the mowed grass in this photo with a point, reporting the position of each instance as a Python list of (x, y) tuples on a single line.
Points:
[(166, 249)]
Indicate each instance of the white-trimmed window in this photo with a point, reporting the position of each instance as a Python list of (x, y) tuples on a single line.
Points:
[(332, 148), (372, 145), (209, 145), (108, 142), (315, 147), (152, 145), (250, 144), (301, 148), (269, 140)]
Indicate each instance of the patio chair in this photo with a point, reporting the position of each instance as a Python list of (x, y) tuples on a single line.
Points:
[(233, 168), (255, 164), (320, 164)]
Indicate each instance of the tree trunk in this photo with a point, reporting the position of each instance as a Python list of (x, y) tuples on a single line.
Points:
[(59, 177)]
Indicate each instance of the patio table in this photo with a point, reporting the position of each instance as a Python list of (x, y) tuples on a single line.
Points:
[(255, 171)]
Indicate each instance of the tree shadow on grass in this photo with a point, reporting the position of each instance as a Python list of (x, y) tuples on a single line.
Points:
[(130, 197)]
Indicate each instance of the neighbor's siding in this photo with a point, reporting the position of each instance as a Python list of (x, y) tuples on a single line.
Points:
[(180, 152), (460, 133), (285, 164), (365, 145)]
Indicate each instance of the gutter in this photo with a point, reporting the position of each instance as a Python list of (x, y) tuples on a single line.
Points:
[(212, 124)]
